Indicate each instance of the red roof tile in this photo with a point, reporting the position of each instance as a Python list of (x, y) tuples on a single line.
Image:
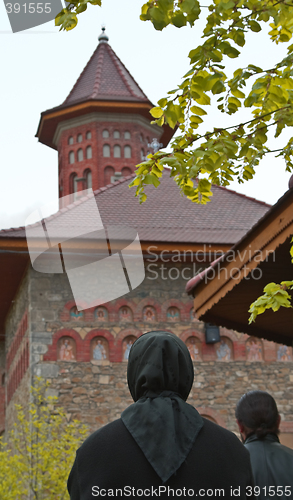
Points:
[(167, 216)]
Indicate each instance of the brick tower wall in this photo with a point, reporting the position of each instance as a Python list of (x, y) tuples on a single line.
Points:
[(141, 134)]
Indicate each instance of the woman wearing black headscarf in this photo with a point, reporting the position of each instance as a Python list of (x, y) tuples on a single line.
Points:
[(160, 446)]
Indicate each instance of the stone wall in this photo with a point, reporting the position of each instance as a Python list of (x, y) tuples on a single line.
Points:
[(98, 394)]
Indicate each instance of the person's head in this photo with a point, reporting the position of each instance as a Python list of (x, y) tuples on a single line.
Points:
[(257, 413), (159, 361)]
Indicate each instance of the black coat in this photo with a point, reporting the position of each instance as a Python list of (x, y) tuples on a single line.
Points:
[(111, 460), (272, 466)]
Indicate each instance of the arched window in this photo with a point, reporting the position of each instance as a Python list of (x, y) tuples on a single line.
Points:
[(127, 152), (70, 140), (80, 155), (88, 178), (126, 171), (71, 157), (108, 173), (73, 183), (127, 135), (106, 151), (141, 138), (79, 138), (117, 151), (105, 133), (116, 134), (89, 152), (88, 134), (142, 154)]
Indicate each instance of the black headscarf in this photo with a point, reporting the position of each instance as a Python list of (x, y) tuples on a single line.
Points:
[(160, 376)]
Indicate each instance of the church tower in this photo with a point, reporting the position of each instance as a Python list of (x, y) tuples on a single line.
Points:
[(102, 130)]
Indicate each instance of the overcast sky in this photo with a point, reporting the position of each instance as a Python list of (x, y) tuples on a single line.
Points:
[(40, 66)]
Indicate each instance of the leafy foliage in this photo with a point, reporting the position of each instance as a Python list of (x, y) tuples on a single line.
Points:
[(217, 156), (40, 450), (274, 297)]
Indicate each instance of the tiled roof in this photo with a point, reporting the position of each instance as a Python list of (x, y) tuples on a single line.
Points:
[(167, 216), (105, 78)]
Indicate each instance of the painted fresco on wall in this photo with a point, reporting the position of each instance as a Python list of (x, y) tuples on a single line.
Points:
[(194, 347), (284, 353), (101, 314), (173, 314), (99, 349), (75, 314), (126, 346), (224, 350), (149, 314), (254, 349), (125, 314), (66, 349), (192, 314)]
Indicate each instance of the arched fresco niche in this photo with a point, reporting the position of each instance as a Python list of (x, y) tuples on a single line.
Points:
[(194, 346), (173, 314), (149, 314), (66, 349), (254, 350), (126, 346), (101, 314), (125, 314), (284, 353), (99, 349), (224, 349), (192, 314), (75, 314)]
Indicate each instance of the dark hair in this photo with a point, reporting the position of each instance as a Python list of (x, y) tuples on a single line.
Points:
[(258, 412)]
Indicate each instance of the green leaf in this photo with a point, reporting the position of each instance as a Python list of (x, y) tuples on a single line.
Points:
[(254, 26), (156, 112), (197, 110)]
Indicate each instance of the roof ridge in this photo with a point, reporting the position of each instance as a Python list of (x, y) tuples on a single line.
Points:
[(98, 70), (77, 81), (243, 195), (113, 184), (113, 55)]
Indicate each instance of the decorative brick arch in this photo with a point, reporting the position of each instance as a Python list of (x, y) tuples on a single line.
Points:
[(231, 345), (120, 337), (172, 303), (203, 410), (224, 332), (192, 332), (99, 332), (51, 354), (120, 303), (148, 302)]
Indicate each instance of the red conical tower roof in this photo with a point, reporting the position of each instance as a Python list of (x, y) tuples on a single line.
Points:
[(105, 78)]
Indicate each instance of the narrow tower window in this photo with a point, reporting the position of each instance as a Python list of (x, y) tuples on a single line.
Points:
[(71, 157), (117, 151), (88, 178), (70, 140), (127, 135), (116, 134), (88, 135), (80, 155), (105, 134), (79, 138), (127, 152), (89, 152), (106, 151)]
